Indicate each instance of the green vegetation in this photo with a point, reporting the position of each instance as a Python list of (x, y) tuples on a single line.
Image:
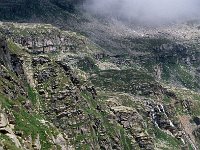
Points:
[(125, 141), (180, 73), (172, 142), (166, 99), (30, 125), (87, 64), (7, 143), (111, 129), (5, 102), (186, 78), (32, 95), (142, 44), (129, 81), (14, 47)]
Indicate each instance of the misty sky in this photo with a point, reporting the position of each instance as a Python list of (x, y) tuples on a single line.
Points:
[(147, 10)]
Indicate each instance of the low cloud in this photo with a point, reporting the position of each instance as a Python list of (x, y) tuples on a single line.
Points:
[(148, 11)]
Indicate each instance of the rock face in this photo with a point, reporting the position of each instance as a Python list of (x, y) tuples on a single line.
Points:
[(7, 129), (130, 119), (5, 58), (171, 50)]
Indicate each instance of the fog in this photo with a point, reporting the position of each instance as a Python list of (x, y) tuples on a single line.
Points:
[(147, 11)]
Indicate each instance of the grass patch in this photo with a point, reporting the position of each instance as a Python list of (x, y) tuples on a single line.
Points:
[(129, 81), (32, 95), (30, 125), (171, 141)]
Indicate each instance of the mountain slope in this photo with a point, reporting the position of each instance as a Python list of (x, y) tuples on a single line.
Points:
[(94, 100), (120, 86)]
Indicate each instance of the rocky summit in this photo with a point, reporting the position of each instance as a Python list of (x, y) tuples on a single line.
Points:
[(74, 80)]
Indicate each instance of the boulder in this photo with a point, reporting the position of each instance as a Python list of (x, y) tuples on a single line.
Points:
[(3, 120)]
